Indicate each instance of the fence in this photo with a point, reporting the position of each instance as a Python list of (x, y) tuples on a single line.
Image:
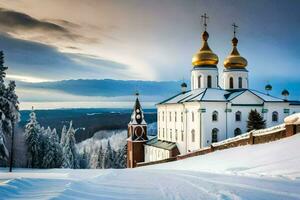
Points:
[(253, 137)]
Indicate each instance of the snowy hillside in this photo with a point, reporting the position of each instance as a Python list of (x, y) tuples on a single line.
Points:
[(265, 171)]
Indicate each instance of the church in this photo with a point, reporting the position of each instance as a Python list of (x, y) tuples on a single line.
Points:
[(216, 108)]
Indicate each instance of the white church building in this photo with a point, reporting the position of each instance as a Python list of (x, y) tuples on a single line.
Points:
[(216, 107)]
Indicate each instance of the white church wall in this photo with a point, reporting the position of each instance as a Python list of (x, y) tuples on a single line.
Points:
[(204, 73), (208, 125), (247, 98), (235, 75)]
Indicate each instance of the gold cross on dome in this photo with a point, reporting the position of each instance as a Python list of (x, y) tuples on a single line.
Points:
[(204, 18), (234, 28)]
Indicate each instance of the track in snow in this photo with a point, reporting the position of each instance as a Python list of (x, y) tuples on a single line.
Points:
[(146, 184)]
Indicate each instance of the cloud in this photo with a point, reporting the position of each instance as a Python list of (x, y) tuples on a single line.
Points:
[(30, 60), (23, 26)]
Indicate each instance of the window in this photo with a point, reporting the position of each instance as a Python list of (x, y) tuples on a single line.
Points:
[(238, 116), (209, 81), (182, 136), (199, 81), (171, 134), (231, 83), (214, 135), (176, 135), (240, 82), (170, 116), (193, 117), (181, 116), (215, 116), (237, 132), (163, 133), (159, 132), (175, 116), (275, 116), (163, 116), (193, 135)]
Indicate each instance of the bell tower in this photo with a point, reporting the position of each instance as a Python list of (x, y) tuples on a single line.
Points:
[(205, 72), (137, 135)]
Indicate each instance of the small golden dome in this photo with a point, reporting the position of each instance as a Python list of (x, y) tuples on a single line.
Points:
[(205, 56), (234, 60)]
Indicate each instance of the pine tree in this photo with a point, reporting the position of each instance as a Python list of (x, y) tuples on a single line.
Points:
[(53, 152), (33, 135), (109, 157), (100, 158), (255, 121), (84, 160), (63, 135), (2, 67), (9, 109), (69, 149)]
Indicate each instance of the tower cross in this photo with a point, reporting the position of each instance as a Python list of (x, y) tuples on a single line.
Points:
[(204, 19), (234, 29)]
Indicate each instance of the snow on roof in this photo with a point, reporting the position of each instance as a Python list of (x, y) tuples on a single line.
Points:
[(266, 97), (218, 94), (292, 119), (162, 144)]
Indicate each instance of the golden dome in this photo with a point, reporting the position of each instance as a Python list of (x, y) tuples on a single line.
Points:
[(234, 60), (205, 56)]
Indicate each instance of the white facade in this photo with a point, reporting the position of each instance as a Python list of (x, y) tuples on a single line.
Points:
[(204, 77), (191, 124), (235, 79)]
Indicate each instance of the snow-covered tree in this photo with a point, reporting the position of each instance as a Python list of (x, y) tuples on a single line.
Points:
[(33, 136), (121, 158), (53, 151), (9, 109), (109, 157), (100, 158), (84, 160), (70, 154), (63, 135)]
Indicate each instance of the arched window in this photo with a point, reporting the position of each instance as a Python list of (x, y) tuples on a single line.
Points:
[(231, 83), (175, 116), (171, 134), (176, 135), (181, 136), (240, 82), (237, 132), (238, 116), (275, 116), (193, 117), (170, 118), (214, 135), (181, 117), (215, 116), (199, 81), (193, 135), (209, 81)]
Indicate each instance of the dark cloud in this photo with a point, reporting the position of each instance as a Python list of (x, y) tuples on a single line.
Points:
[(16, 22), (33, 59)]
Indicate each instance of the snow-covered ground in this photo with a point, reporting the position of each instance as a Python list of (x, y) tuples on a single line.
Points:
[(265, 171)]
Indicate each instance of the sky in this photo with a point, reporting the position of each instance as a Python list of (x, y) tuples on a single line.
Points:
[(54, 40)]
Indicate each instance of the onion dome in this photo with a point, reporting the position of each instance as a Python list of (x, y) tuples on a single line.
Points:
[(183, 87), (285, 93), (205, 56), (268, 87), (234, 60)]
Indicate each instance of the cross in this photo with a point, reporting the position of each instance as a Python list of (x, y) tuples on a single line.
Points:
[(234, 28), (204, 18)]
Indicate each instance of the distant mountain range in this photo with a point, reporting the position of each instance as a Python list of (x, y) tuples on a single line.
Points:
[(107, 87)]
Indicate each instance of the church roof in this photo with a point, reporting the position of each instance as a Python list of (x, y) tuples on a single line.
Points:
[(220, 95), (162, 144)]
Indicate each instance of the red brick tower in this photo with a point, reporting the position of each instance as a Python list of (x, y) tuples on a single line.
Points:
[(137, 135)]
